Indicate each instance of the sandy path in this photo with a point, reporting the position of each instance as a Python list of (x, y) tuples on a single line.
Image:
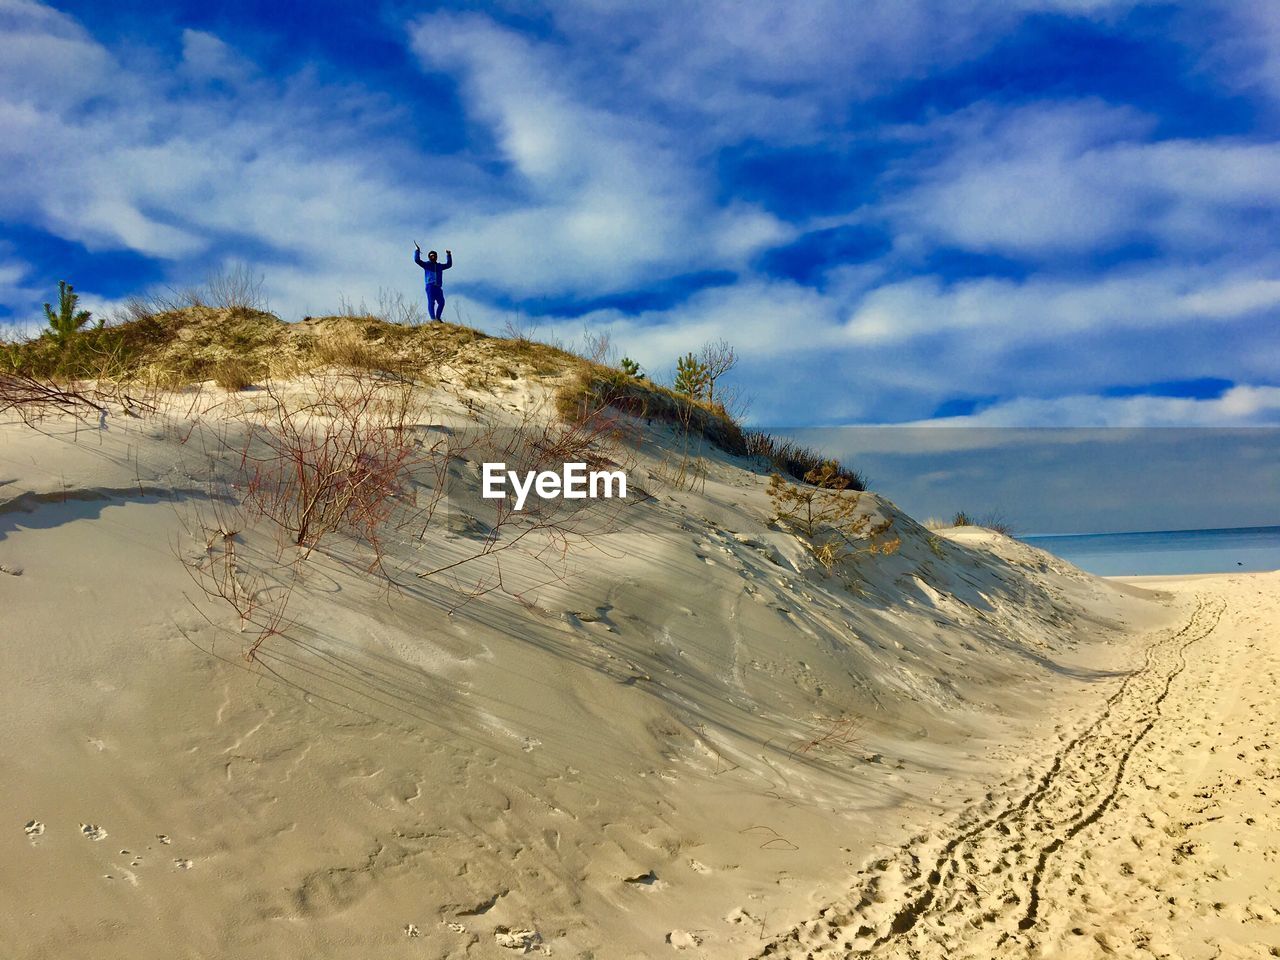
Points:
[(1154, 831)]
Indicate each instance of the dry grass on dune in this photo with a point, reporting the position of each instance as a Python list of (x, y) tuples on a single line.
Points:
[(174, 348), (237, 347)]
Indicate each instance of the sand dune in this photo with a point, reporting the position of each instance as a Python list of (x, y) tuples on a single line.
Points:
[(697, 743)]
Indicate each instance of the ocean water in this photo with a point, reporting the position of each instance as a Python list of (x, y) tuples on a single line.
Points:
[(1243, 549)]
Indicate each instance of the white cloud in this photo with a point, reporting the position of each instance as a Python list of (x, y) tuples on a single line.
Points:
[(608, 197), (1044, 308), (206, 56), (1240, 406), (765, 322), (49, 60), (1240, 40), (1052, 177), (780, 71), (135, 158)]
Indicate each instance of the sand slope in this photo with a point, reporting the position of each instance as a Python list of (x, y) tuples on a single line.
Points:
[(1153, 831), (688, 747)]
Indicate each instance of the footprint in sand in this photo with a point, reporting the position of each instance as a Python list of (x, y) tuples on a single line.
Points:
[(182, 863), (93, 831), (163, 838), (35, 830), (684, 939)]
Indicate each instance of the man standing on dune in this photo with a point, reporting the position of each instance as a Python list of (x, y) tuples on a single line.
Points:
[(435, 279)]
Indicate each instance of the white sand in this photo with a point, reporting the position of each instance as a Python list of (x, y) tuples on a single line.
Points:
[(625, 764)]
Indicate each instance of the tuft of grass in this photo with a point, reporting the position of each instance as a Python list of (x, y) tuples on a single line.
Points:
[(796, 461), (994, 520), (234, 374), (351, 351), (595, 387)]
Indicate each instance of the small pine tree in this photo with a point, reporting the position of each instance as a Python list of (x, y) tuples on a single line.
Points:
[(693, 379), (812, 506), (827, 514), (630, 368), (68, 321)]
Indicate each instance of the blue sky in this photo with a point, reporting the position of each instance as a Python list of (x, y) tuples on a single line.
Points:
[(1023, 213)]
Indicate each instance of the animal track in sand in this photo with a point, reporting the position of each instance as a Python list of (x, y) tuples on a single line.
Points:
[(93, 831), (35, 830)]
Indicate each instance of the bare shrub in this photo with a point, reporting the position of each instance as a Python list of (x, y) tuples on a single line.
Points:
[(236, 286), (289, 473), (260, 602), (545, 533), (829, 733), (32, 400), (997, 521), (523, 331), (520, 329), (347, 462), (135, 309), (717, 358), (350, 309), (336, 461), (597, 347), (395, 307)]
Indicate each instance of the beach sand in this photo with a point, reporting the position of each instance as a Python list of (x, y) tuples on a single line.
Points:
[(1153, 831), (695, 744)]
